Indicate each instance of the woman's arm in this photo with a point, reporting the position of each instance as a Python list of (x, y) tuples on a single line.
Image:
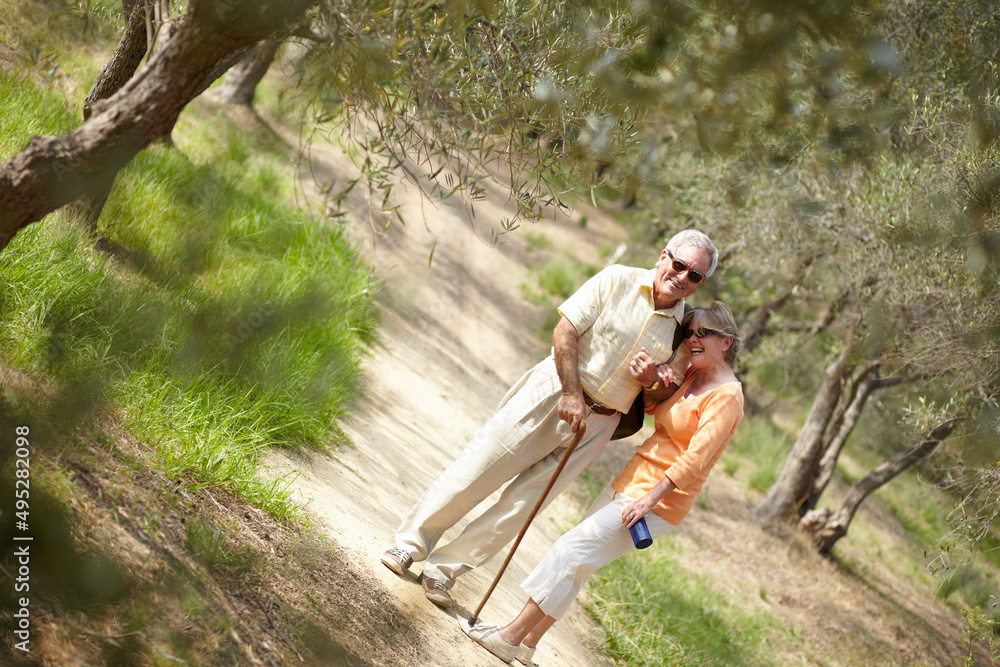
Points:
[(645, 505), (716, 424), (718, 419)]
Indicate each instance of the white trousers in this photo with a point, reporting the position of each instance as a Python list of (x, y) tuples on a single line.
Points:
[(596, 541), (524, 442)]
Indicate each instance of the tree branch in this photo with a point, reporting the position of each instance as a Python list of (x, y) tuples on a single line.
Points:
[(828, 529)]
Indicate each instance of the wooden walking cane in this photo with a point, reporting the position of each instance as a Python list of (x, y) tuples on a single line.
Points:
[(580, 430)]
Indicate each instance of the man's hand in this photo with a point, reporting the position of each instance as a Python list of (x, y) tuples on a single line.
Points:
[(572, 409), (643, 368), (645, 371)]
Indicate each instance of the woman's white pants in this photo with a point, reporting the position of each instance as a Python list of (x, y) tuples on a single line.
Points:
[(596, 541)]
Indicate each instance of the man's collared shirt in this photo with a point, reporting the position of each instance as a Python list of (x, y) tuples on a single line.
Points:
[(614, 314)]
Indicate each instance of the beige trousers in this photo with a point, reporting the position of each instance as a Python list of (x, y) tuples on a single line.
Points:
[(522, 444)]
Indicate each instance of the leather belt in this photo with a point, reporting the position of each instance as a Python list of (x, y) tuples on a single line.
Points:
[(597, 408)]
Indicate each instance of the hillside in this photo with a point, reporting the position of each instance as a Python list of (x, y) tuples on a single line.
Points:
[(161, 567)]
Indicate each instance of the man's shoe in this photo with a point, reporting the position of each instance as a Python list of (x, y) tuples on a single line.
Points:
[(437, 592), (525, 655), (488, 636), (397, 560)]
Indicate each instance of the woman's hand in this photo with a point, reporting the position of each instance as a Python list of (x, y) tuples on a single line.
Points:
[(640, 508), (666, 375), (643, 368), (636, 510)]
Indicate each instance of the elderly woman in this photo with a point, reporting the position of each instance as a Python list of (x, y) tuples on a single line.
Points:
[(659, 484)]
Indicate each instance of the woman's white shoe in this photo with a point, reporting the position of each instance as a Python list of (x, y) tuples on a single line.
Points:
[(488, 636)]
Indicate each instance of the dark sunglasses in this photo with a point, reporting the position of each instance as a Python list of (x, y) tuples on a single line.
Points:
[(681, 267), (701, 332)]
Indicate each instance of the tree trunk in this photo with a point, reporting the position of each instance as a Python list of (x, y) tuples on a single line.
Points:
[(125, 60), (840, 428), (51, 172), (117, 71), (796, 478), (827, 528), (241, 81), (827, 465)]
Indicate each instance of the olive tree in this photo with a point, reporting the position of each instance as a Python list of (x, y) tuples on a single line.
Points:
[(51, 172)]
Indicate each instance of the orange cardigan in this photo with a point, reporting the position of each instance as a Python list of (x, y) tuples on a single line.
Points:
[(690, 435)]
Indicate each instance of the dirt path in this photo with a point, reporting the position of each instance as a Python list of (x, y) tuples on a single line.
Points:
[(456, 334)]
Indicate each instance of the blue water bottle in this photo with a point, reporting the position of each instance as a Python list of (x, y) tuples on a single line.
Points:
[(640, 534)]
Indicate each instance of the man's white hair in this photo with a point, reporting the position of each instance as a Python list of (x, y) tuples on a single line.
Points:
[(698, 240)]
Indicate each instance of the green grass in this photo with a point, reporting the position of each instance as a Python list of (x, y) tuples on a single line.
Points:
[(537, 241), (554, 282), (757, 453), (26, 109), (922, 512), (54, 39), (655, 613), (211, 545), (217, 318), (561, 278)]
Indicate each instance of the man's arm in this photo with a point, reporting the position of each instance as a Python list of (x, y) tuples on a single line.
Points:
[(663, 391), (566, 341)]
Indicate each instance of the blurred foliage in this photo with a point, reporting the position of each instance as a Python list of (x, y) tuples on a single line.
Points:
[(565, 98)]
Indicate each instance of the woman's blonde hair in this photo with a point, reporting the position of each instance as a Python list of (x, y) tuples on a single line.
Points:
[(718, 317)]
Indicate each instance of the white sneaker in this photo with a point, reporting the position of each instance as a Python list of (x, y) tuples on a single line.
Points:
[(525, 655), (488, 636)]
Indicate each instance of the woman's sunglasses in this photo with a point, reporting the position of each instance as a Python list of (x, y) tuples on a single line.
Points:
[(701, 332), (681, 267)]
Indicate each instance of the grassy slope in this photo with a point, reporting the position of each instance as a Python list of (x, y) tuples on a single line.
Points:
[(216, 317), (213, 320)]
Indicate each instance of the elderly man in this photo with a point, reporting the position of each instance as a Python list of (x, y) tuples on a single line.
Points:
[(613, 333)]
